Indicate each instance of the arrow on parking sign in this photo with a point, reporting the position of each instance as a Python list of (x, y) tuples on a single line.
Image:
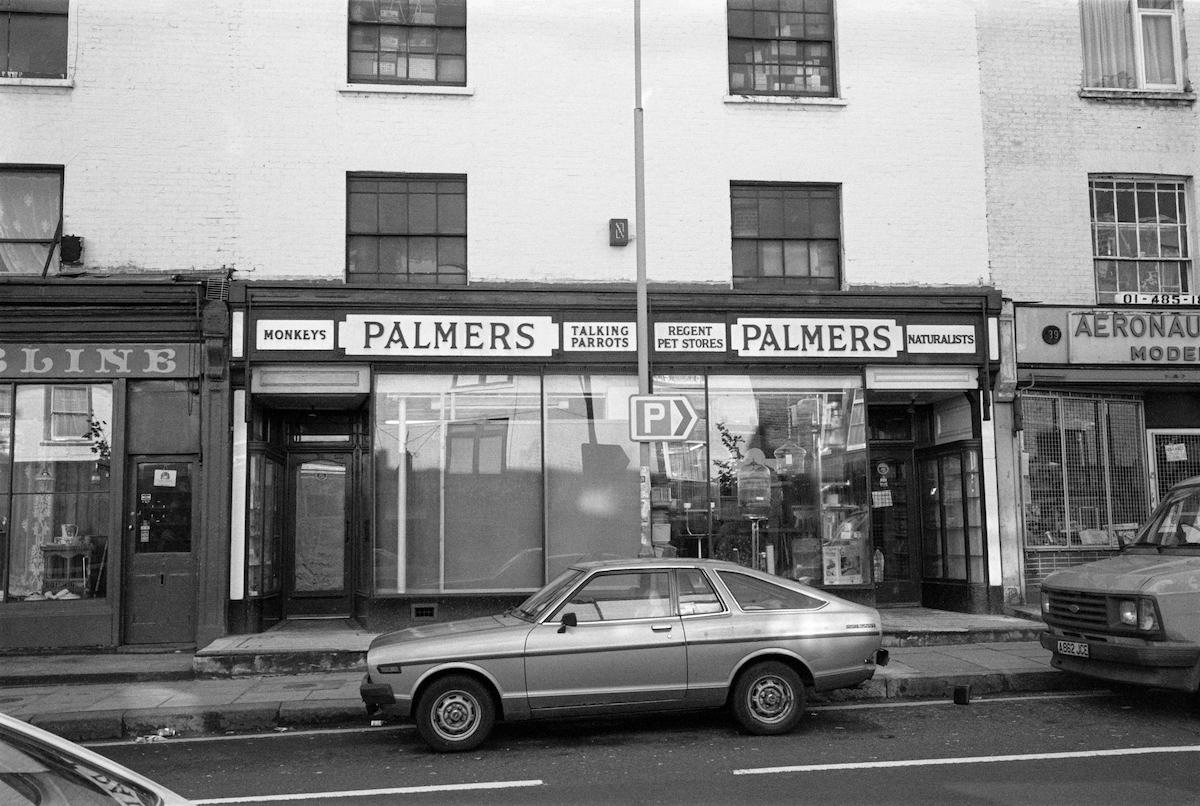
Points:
[(661, 418)]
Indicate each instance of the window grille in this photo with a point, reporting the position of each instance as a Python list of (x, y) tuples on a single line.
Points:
[(1176, 456), (1083, 468)]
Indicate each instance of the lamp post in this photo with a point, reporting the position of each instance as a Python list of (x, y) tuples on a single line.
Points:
[(643, 303)]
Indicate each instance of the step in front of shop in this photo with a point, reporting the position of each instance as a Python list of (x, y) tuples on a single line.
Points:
[(220, 664)]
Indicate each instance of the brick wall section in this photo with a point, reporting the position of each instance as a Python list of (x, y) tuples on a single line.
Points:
[(1043, 140), (217, 133)]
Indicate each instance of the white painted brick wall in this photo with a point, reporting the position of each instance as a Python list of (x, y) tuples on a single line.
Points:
[(1043, 140), (216, 133)]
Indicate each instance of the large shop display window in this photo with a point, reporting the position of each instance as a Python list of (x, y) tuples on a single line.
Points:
[(774, 477), (55, 452), (1084, 470), (498, 482)]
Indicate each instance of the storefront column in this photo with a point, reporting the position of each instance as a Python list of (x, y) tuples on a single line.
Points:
[(216, 458)]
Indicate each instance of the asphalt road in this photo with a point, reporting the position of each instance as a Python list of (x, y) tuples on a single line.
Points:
[(1141, 748)]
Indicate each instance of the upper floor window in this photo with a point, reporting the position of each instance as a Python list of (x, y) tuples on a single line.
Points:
[(1132, 45), (781, 47), (407, 228), (30, 212), (786, 232), (1139, 236), (408, 42), (33, 38)]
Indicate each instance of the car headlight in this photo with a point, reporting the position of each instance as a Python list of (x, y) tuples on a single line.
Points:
[(1138, 613), (1045, 602)]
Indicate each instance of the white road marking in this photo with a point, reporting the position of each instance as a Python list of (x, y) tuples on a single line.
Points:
[(931, 762), (366, 793)]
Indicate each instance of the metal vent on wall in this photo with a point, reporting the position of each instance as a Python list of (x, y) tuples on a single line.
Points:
[(216, 289), (424, 612)]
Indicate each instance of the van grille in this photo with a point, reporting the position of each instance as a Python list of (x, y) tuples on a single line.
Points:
[(1078, 610)]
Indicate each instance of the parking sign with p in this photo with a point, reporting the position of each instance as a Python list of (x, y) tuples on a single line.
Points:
[(661, 418)]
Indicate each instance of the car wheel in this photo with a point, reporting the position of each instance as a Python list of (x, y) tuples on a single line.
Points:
[(769, 699), (455, 713)]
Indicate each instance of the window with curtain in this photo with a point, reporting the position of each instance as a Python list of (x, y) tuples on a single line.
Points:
[(33, 38), (408, 42), (30, 213), (1139, 235), (1132, 45)]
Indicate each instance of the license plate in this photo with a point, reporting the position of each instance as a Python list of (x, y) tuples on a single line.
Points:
[(1073, 648)]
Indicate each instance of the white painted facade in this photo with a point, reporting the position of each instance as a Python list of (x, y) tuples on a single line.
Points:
[(215, 135)]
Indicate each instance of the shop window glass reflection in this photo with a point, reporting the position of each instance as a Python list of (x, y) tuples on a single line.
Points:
[(593, 498), (458, 481), (58, 515)]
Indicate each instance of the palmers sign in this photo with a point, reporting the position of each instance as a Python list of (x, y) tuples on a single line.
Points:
[(1133, 337), (29, 362), (434, 335), (808, 337)]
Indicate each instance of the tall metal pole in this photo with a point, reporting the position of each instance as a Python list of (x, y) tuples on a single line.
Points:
[(643, 303)]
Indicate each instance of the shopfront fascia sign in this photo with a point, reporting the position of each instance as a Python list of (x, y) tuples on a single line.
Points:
[(30, 362), (294, 334), (690, 337), (1133, 337), (459, 336), (817, 338), (940, 339), (599, 337)]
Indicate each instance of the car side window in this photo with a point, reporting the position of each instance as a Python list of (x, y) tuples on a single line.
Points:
[(752, 593), (696, 594), (611, 597)]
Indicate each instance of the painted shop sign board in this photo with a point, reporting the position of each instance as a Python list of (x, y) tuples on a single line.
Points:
[(78, 361), (1133, 337), (434, 335)]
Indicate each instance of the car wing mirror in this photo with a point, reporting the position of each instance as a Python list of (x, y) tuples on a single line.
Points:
[(568, 620)]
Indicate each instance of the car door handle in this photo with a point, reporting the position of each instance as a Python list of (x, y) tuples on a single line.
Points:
[(661, 627)]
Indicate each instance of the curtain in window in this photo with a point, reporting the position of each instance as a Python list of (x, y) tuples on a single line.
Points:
[(1109, 58), (29, 211), (1159, 48)]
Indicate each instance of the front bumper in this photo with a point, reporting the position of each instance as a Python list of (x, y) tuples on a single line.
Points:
[(376, 696), (1160, 664)]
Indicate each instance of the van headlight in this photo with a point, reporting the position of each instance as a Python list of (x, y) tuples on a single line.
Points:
[(1045, 602), (1139, 613)]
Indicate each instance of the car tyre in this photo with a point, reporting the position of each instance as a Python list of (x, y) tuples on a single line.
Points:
[(455, 713), (768, 699)]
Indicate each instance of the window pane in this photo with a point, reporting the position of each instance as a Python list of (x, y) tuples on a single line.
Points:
[(451, 214), (745, 218), (422, 213), (363, 255), (1159, 49), (393, 213), (591, 468), (755, 594), (770, 215), (795, 258), (824, 258), (393, 255), (452, 255), (364, 214), (745, 259), (426, 541), (770, 258), (38, 46), (422, 255), (422, 67)]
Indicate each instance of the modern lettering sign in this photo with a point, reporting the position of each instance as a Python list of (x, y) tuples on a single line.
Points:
[(939, 338), (809, 337), (1137, 337), (29, 362), (294, 334), (690, 337), (435, 335), (599, 337)]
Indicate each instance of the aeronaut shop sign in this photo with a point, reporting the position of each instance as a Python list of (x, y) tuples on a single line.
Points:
[(1133, 337), (438, 335)]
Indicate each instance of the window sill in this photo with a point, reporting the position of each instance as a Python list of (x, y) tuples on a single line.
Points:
[(784, 100), (45, 83), (404, 89), (1139, 96)]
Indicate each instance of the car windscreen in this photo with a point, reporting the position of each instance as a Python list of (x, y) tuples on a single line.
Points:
[(536, 604), (33, 774), (1175, 522)]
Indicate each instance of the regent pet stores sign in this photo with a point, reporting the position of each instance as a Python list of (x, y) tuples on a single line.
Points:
[(1133, 337)]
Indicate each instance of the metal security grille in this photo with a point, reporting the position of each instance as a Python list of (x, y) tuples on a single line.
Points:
[(1176, 457), (1083, 468)]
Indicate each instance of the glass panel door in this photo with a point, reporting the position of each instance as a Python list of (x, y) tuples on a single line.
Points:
[(318, 580)]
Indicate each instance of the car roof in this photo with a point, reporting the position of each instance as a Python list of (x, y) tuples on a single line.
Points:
[(659, 562)]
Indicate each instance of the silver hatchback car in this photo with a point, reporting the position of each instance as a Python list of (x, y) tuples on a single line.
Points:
[(625, 636)]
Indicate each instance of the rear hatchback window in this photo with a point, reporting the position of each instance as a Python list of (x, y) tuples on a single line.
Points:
[(752, 593)]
